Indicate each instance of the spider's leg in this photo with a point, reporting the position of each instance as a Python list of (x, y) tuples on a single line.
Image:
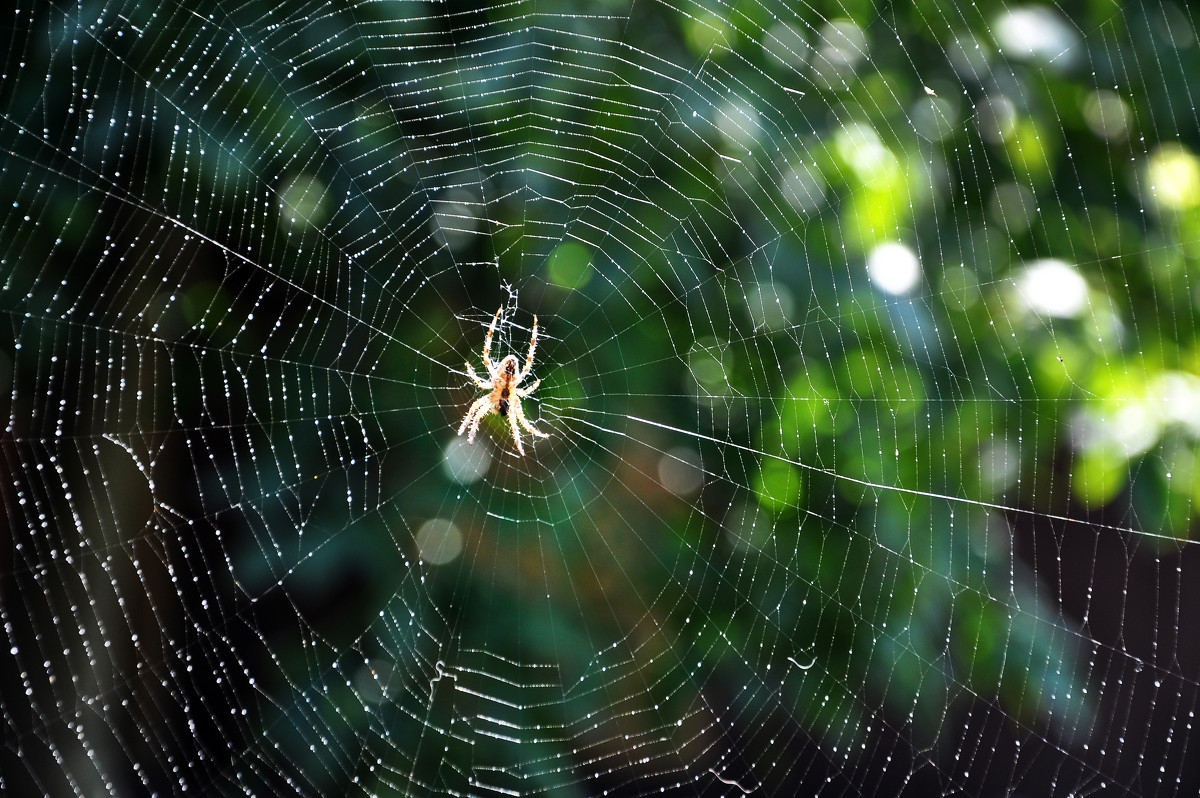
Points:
[(476, 379), (532, 347), (516, 431), (483, 411), (467, 418), (473, 417), (475, 422), (523, 392), (519, 414), (487, 342)]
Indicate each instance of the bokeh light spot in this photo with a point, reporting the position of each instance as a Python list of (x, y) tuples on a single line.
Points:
[(893, 268)]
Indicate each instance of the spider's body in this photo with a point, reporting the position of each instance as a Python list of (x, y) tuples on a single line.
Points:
[(503, 394), (505, 383)]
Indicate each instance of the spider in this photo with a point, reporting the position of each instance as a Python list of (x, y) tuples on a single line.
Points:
[(503, 396)]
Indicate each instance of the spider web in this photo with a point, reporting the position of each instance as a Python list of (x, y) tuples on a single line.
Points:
[(866, 339)]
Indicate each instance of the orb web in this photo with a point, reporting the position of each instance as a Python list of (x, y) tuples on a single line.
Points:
[(866, 348)]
